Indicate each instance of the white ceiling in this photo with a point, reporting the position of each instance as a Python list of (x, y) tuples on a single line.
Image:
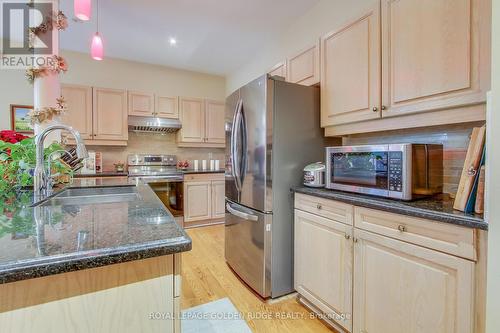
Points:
[(213, 36)]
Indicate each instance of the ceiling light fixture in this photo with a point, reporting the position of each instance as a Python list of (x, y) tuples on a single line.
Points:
[(172, 41), (97, 47), (83, 9)]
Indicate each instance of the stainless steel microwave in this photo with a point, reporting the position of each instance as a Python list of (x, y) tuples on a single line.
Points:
[(400, 171)]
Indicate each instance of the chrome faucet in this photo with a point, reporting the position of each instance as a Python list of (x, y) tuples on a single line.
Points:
[(42, 181)]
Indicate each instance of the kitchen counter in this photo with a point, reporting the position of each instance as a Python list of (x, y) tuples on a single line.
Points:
[(438, 208), (45, 240), (103, 174)]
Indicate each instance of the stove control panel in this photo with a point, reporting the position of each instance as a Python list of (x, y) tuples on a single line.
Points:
[(149, 159)]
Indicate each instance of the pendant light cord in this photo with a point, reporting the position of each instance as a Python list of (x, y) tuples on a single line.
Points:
[(97, 16)]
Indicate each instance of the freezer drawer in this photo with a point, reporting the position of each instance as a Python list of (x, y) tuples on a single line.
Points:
[(247, 246)]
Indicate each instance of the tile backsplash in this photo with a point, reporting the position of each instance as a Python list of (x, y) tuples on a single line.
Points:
[(148, 143), (454, 138)]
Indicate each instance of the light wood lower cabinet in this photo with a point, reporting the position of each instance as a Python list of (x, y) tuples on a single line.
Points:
[(394, 267), (323, 265), (125, 297), (204, 198), (400, 287)]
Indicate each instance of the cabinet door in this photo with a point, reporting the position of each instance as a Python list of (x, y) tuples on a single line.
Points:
[(303, 68), (110, 114), (435, 54), (400, 287), (214, 122), (351, 72), (197, 201), (323, 265), (167, 107), (192, 116), (140, 104), (218, 199), (279, 70), (79, 114)]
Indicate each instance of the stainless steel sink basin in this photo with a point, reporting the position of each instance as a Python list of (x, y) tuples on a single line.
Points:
[(92, 195)]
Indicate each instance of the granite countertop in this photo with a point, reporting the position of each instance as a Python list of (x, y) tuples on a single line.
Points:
[(45, 240), (102, 174), (438, 208)]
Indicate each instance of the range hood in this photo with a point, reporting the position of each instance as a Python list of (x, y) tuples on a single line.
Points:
[(153, 124)]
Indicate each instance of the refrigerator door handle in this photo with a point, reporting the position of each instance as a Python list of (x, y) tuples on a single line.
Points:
[(244, 146), (242, 215), (235, 167)]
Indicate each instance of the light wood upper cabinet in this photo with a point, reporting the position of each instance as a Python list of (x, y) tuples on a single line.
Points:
[(399, 287), (303, 68), (214, 122), (167, 107), (192, 116), (279, 70), (202, 123), (218, 199), (351, 71), (197, 201), (140, 104), (79, 114), (110, 114), (435, 54), (323, 265)]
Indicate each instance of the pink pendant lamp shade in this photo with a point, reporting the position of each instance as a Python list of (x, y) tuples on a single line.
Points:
[(83, 9), (97, 48)]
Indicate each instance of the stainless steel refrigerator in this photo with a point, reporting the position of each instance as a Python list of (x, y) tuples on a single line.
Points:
[(272, 132)]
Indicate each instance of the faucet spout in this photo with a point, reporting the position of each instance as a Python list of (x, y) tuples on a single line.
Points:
[(41, 177)]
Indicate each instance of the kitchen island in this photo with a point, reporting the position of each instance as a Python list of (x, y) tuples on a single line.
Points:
[(110, 265)]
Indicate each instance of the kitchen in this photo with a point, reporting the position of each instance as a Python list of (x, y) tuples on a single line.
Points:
[(193, 212)]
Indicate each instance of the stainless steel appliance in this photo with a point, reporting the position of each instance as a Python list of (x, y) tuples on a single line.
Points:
[(160, 172), (272, 131), (314, 175), (400, 171), (153, 124)]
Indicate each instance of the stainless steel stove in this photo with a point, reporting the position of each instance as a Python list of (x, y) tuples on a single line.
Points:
[(160, 172), (153, 167)]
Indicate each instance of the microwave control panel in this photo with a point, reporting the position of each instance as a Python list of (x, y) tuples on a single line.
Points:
[(396, 171)]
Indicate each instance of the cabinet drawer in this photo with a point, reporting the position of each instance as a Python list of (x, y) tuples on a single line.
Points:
[(197, 177), (448, 238), (330, 209)]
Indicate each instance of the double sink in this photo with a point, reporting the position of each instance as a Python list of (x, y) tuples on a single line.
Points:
[(91, 195)]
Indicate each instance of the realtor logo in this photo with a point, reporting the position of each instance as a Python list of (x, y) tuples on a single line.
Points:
[(21, 47)]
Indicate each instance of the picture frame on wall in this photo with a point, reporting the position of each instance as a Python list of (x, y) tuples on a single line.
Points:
[(20, 121)]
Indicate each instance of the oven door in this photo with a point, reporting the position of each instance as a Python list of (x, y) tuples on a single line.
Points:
[(169, 189), (359, 169)]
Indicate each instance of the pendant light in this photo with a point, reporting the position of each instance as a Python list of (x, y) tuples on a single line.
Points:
[(97, 47), (83, 9)]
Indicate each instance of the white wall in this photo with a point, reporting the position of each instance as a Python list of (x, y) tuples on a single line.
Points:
[(326, 16), (493, 291), (112, 73)]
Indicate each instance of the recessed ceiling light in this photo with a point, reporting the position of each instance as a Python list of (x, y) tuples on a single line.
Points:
[(172, 41)]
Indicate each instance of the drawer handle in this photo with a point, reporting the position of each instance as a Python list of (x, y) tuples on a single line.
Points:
[(319, 206), (347, 236), (402, 228)]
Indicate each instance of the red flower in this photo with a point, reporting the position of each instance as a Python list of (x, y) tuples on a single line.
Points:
[(11, 136)]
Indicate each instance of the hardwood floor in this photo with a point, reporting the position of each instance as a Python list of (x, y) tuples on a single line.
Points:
[(206, 277)]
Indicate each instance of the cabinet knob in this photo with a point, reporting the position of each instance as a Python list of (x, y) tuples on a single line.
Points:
[(347, 236), (375, 109), (402, 228), (319, 206), (355, 240), (383, 107)]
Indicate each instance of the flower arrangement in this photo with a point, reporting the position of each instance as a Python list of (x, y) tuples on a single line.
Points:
[(11, 136), (58, 21), (40, 115), (57, 64), (18, 159)]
